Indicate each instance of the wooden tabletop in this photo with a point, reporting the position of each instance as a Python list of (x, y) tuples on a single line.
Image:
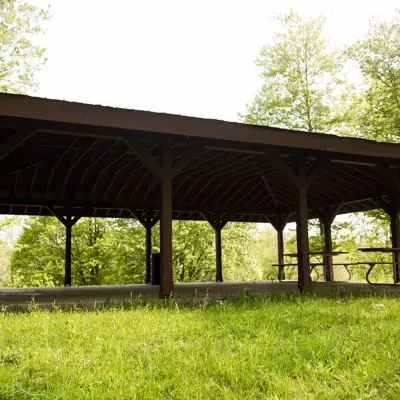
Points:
[(380, 249), (319, 253), (327, 253)]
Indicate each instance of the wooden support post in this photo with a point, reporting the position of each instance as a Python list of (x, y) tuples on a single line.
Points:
[(303, 252), (327, 260), (164, 171), (301, 176), (148, 254), (218, 224), (148, 220), (279, 224), (218, 254), (392, 208), (395, 233), (391, 176), (326, 218), (68, 221), (280, 245), (166, 284), (68, 253)]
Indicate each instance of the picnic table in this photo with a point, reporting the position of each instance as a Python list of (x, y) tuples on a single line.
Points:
[(312, 265), (372, 264)]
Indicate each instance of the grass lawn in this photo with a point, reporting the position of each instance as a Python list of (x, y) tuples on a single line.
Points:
[(301, 348)]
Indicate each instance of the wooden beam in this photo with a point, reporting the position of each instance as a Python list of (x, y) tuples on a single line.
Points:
[(217, 224), (167, 284), (114, 176), (280, 247), (395, 236), (53, 169), (326, 233), (15, 140), (144, 156), (68, 221), (326, 217), (218, 255), (95, 160), (279, 223), (130, 176), (283, 167), (186, 159), (70, 169), (303, 254), (316, 170), (391, 178), (148, 219), (244, 195), (264, 179), (105, 168)]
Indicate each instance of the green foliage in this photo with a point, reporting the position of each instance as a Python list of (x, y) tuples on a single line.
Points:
[(299, 348), (113, 251), (300, 78), (376, 110), (20, 57), (5, 254)]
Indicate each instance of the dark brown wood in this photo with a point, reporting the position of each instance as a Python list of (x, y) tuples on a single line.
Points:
[(166, 284), (68, 253), (186, 159), (84, 179), (14, 141), (144, 156), (62, 112), (58, 162), (217, 224), (264, 179), (148, 254), (218, 255), (392, 207), (303, 255), (281, 246), (68, 221), (316, 170), (148, 220), (327, 261), (279, 223), (73, 165), (395, 236), (326, 218)]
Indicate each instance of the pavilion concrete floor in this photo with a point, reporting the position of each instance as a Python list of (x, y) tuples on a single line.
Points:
[(13, 298)]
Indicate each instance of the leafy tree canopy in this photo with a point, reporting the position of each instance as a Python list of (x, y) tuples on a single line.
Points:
[(20, 57), (376, 113), (300, 78)]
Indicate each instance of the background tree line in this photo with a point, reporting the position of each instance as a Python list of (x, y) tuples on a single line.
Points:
[(304, 87)]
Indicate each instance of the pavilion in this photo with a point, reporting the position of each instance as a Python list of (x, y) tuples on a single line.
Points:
[(75, 160)]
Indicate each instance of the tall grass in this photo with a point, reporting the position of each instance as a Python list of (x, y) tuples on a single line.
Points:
[(303, 348)]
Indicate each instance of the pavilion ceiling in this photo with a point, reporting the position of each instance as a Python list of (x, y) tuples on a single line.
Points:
[(89, 170)]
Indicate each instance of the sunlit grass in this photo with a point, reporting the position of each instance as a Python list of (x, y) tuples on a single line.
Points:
[(249, 349)]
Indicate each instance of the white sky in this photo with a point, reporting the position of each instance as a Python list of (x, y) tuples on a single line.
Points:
[(184, 57)]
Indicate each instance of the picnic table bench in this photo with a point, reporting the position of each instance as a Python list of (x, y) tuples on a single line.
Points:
[(312, 265), (346, 265), (312, 268), (372, 264)]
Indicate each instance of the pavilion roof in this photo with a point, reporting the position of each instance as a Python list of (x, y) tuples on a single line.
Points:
[(78, 158)]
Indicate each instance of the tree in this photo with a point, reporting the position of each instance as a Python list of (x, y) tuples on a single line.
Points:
[(300, 78), (20, 57), (376, 110), (39, 253), (110, 251), (5, 254)]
